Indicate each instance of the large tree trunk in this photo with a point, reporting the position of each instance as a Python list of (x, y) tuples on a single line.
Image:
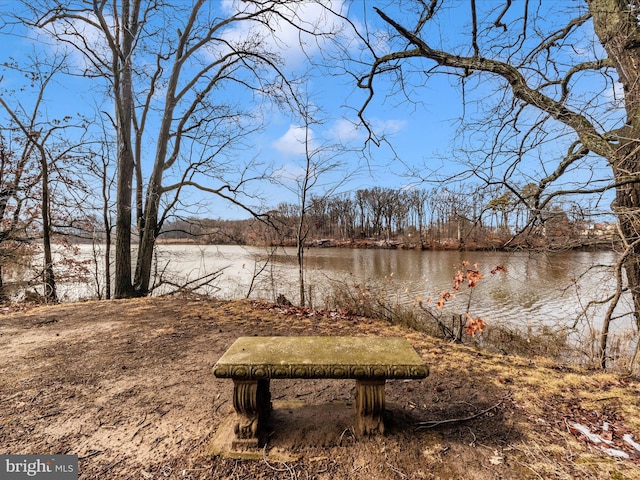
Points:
[(616, 25), (124, 103), (625, 207), (148, 236), (123, 287)]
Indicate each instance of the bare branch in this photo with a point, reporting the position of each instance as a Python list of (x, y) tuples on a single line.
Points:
[(585, 130)]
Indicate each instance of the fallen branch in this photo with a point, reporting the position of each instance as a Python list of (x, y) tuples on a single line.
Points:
[(435, 423)]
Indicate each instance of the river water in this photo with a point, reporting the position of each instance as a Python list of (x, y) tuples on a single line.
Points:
[(536, 288)]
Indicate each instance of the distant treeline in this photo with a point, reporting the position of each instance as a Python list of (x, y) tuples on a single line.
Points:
[(429, 219)]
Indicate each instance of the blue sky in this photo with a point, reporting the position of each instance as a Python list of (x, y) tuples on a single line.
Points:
[(423, 135)]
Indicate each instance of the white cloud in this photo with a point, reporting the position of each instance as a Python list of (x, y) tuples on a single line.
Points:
[(342, 132), (387, 127), (293, 142), (345, 131), (298, 32)]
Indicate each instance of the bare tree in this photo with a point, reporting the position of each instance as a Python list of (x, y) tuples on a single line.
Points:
[(554, 83), (176, 73), (94, 171), (44, 143), (312, 181)]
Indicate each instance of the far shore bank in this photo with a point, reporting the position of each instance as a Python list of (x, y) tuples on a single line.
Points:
[(444, 245)]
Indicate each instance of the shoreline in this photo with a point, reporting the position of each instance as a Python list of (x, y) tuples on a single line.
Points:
[(600, 245)]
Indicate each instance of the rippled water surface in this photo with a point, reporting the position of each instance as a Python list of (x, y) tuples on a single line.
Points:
[(536, 288)]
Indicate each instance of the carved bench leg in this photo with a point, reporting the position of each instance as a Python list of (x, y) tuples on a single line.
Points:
[(252, 403), (369, 407)]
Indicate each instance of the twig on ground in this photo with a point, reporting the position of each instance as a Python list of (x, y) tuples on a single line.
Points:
[(396, 470), (93, 453), (435, 423), (342, 434), (49, 414), (109, 467), (144, 419), (473, 442), (286, 468)]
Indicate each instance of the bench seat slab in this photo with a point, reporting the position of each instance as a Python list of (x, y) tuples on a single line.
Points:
[(320, 357)]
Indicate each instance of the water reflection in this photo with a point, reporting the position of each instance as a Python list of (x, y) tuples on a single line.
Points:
[(538, 287)]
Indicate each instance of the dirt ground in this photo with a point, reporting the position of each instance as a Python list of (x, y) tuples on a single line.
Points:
[(128, 386)]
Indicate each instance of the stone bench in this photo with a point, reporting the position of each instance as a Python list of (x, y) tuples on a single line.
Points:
[(253, 361)]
